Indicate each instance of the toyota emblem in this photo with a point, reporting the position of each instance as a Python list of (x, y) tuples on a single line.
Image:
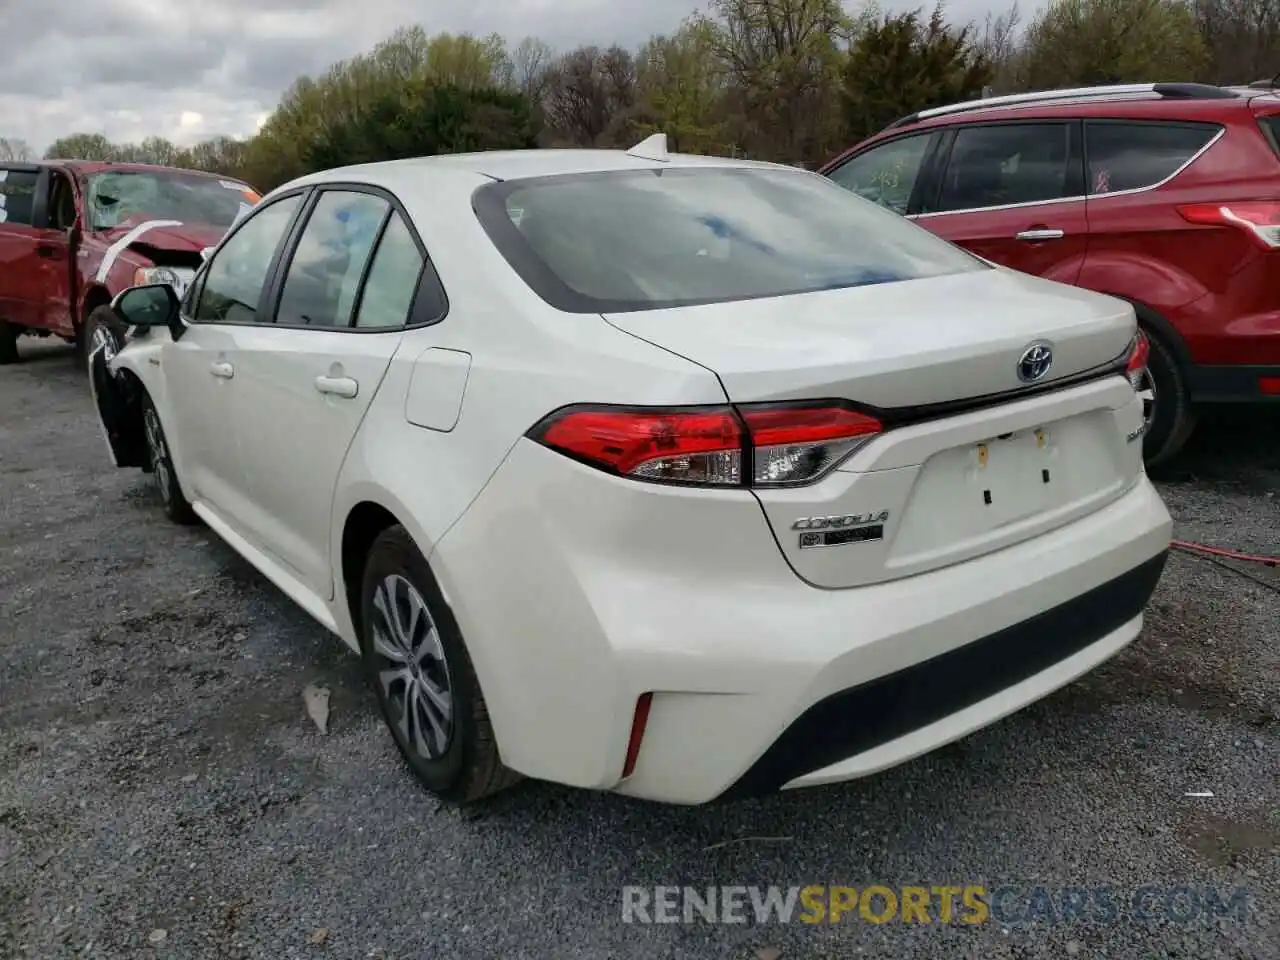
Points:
[(1035, 362)]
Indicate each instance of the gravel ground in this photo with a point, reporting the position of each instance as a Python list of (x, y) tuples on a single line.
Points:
[(164, 794)]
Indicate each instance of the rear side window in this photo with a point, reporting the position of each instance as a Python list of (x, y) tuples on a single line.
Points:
[(1130, 156), (17, 196), (646, 239), (998, 165), (393, 279)]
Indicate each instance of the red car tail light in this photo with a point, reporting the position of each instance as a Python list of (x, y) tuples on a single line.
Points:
[(702, 446), (760, 445), (1136, 367), (1261, 218)]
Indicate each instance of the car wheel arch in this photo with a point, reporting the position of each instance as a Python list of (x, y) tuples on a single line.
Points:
[(95, 296), (363, 523)]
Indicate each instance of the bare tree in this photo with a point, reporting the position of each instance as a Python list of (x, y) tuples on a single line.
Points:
[(15, 150), (998, 42), (588, 89), (532, 59)]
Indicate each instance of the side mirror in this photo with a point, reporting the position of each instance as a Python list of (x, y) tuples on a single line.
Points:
[(149, 305)]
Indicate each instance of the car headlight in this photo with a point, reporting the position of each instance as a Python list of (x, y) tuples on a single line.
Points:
[(178, 279)]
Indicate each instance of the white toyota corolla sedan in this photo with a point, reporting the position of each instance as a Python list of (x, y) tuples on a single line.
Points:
[(682, 477)]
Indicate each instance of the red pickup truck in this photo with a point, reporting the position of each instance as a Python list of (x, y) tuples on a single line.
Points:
[(75, 233)]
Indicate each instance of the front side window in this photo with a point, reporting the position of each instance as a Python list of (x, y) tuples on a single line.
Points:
[(125, 198), (324, 274), (17, 196), (234, 278), (1129, 156), (646, 239), (886, 174), (994, 166)]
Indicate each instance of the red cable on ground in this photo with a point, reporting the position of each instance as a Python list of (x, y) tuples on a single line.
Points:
[(1229, 554)]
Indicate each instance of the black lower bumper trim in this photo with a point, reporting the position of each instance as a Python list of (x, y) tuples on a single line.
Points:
[(862, 717), (1231, 384)]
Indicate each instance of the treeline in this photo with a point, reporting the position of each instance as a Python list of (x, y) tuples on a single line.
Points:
[(787, 80)]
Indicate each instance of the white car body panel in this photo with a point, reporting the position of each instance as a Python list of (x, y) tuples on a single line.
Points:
[(577, 591), (953, 336)]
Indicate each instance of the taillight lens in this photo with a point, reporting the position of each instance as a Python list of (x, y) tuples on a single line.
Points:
[(675, 446), (1260, 218), (799, 444), (762, 445), (1136, 367)]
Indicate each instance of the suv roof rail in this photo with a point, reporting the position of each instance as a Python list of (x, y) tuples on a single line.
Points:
[(1115, 91)]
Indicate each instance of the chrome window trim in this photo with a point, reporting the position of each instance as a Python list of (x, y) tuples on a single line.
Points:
[(1222, 132)]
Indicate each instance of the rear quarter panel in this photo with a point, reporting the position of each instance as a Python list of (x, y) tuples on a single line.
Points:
[(526, 360)]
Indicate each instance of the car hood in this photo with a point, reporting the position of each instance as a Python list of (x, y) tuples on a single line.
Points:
[(184, 238)]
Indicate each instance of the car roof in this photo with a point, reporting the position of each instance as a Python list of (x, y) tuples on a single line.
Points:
[(101, 166), (1185, 101), (516, 165)]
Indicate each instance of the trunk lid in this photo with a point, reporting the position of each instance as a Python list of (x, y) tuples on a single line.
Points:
[(894, 344), (934, 490)]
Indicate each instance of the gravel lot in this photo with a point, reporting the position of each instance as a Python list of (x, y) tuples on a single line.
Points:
[(164, 794)]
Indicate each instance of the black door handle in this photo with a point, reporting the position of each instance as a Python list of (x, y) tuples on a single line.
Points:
[(46, 251)]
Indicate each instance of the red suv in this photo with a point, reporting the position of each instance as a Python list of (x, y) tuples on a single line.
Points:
[(1166, 195)]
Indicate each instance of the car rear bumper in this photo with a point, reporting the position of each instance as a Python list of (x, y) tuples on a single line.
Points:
[(1234, 384), (575, 601)]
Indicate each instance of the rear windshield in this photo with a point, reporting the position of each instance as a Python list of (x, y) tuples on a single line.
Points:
[(645, 239)]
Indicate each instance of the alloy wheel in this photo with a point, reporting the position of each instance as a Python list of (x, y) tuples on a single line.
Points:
[(1146, 390), (412, 670), (158, 451)]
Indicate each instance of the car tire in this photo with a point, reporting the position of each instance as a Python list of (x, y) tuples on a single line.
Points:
[(8, 342), (159, 463), (422, 676), (102, 325), (1172, 420)]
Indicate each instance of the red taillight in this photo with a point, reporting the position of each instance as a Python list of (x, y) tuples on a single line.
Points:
[(784, 444), (797, 444), (679, 446), (1261, 218), (638, 723), (1136, 367)]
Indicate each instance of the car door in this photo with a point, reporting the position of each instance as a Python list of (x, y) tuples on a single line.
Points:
[(55, 218), (22, 271), (222, 310), (305, 383), (1014, 194)]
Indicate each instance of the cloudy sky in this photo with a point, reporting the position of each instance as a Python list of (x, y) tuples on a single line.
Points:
[(189, 69)]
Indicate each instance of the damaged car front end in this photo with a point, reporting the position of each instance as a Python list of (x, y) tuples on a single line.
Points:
[(123, 368)]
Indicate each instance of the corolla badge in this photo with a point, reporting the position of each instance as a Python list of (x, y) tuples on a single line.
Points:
[(1035, 362)]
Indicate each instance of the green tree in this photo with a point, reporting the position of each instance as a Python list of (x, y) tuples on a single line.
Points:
[(423, 119), (1083, 42), (81, 146), (782, 60), (680, 85), (904, 64)]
